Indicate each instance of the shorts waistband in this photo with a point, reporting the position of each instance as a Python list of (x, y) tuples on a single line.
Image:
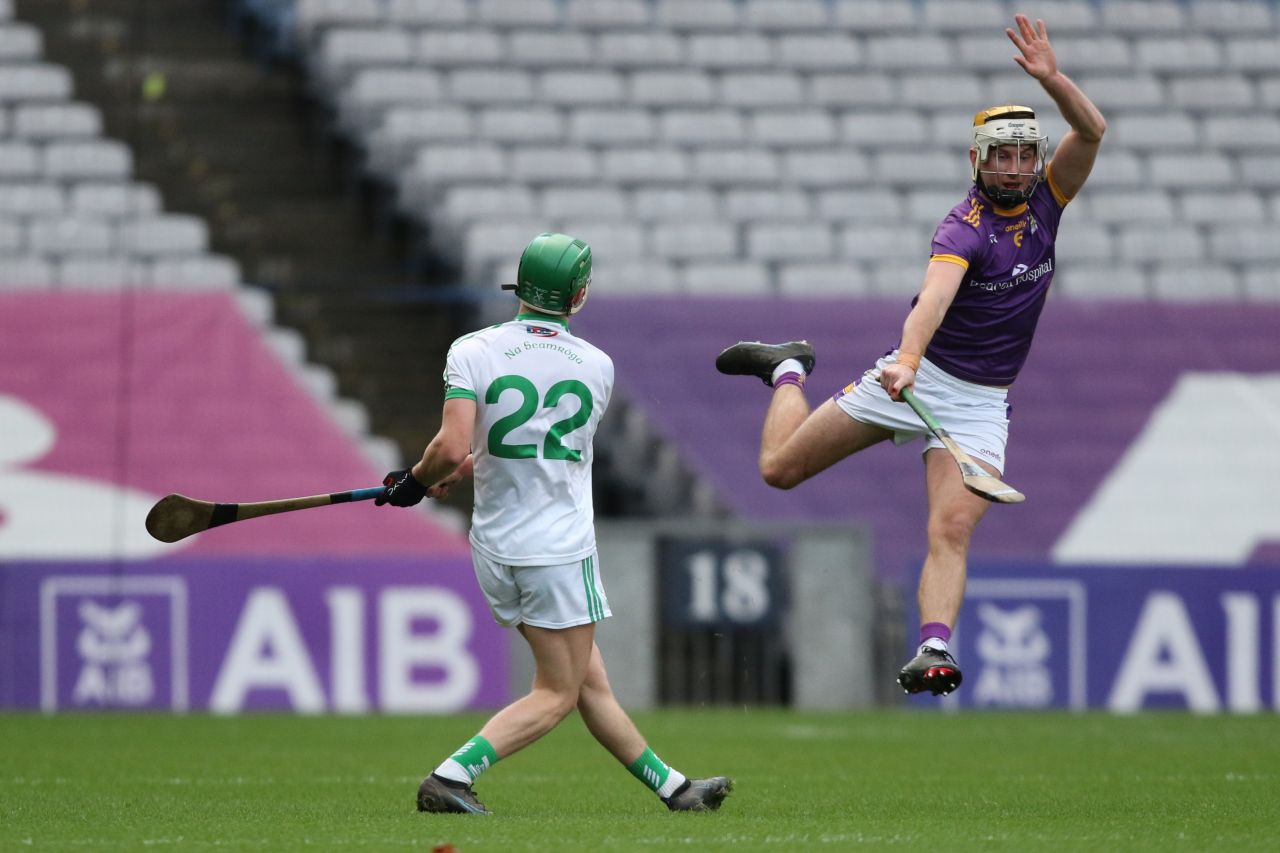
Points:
[(934, 374)]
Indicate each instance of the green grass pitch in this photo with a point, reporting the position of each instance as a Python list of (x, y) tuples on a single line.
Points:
[(805, 781)]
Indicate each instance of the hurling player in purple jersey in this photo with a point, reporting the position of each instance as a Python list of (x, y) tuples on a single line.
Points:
[(963, 342)]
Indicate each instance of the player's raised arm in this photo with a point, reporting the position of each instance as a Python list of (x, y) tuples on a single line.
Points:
[(1073, 159)]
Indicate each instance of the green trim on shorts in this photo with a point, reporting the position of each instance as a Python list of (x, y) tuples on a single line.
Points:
[(595, 610)]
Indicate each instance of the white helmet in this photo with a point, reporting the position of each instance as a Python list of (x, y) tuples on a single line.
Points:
[(1008, 125)]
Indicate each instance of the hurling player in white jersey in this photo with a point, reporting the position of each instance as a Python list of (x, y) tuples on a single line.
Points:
[(522, 403)]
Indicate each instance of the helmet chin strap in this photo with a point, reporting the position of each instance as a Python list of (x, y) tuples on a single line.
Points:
[(1006, 198)]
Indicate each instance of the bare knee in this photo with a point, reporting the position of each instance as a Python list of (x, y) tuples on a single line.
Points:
[(950, 531)]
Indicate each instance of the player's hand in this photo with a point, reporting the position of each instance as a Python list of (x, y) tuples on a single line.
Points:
[(401, 488), (1037, 58), (441, 489), (894, 377)]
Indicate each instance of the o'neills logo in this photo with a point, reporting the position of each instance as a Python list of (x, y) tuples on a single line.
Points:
[(1029, 277)]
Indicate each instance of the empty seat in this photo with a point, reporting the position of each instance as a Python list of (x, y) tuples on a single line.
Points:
[(958, 15), (1118, 169), (611, 241), (645, 165), (897, 278), (1217, 93), (1230, 16), (193, 272), (674, 203), (521, 124), (1122, 208), (767, 204), (1098, 52), (392, 145), (787, 15), (19, 160), (70, 235), (1176, 171), (737, 278), (1258, 132), (876, 127), (1165, 245), (1239, 243), (1063, 16), (435, 167), (581, 88), (1084, 242), (852, 90), (988, 53), (739, 50), (314, 15), (1253, 53), (1142, 17), (832, 51), (490, 86), (20, 43), (792, 127), (875, 16), (517, 13), (1124, 91), (642, 49), (859, 205), (930, 207), (600, 126), (1111, 281), (641, 277), (924, 168), (695, 240), (1155, 130), (824, 167), (54, 121), (428, 13), (738, 166), (342, 49), (372, 91), (548, 164), (703, 15), (467, 202), (115, 199), (761, 89), (1195, 283), (1209, 207), (789, 241), (879, 242), (822, 279), (607, 14), (111, 272), (549, 49), (941, 89), (582, 202), (1188, 53), (918, 52), (98, 159), (165, 234), (1261, 170), (31, 199), (448, 48), (25, 271), (11, 237), (671, 88), (35, 81), (1261, 284), (701, 127)]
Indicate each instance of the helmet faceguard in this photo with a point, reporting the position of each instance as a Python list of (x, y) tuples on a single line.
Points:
[(1011, 126), (554, 274)]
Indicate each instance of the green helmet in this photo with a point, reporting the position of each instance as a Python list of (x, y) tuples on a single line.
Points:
[(554, 274)]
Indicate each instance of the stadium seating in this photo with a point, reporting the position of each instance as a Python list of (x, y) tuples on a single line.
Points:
[(831, 112)]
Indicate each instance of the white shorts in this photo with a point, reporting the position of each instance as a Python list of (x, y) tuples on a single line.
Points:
[(976, 416), (543, 596)]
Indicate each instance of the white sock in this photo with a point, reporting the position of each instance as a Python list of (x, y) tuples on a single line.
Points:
[(674, 780), (933, 643), (453, 771), (791, 365)]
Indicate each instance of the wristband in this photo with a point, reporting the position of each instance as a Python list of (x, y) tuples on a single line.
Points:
[(910, 359)]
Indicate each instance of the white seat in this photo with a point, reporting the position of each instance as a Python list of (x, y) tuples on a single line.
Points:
[(467, 202), (876, 127), (1155, 130), (1110, 281), (681, 15), (929, 207), (600, 126), (25, 271), (860, 205), (449, 48), (768, 204), (20, 43), (786, 15), (538, 164), (824, 167), (875, 16), (19, 160), (603, 202), (538, 49), (193, 272), (671, 88), (1085, 242), (829, 52), (1184, 54), (736, 166), (1098, 52), (989, 53), (70, 235), (11, 237), (1211, 207), (1142, 17), (53, 121), (344, 48), (428, 13), (1123, 208), (789, 241), (521, 125), (110, 272), (643, 49), (581, 88), (115, 199), (897, 277), (721, 50), (674, 203), (373, 91), (694, 240), (1063, 16), (488, 242), (490, 86), (1195, 283), (701, 127), (517, 13), (1233, 244), (940, 89), (761, 89), (1261, 284), (31, 199), (610, 241), (645, 165), (436, 167), (1257, 132), (639, 277), (924, 168), (1146, 244), (919, 52), (852, 90), (1262, 171), (951, 16), (607, 14), (165, 234), (101, 159), (1179, 171), (1117, 170), (1230, 16), (727, 278), (315, 15), (1124, 91), (1217, 93), (1253, 53), (882, 242), (390, 147), (822, 279), (792, 127)]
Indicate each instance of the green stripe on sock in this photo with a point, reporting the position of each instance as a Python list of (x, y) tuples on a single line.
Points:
[(649, 769)]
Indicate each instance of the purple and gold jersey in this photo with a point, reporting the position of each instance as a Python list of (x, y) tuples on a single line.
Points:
[(1008, 258)]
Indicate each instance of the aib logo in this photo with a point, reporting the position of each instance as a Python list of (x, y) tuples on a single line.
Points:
[(541, 331)]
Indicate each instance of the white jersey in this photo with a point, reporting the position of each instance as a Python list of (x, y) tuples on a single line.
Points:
[(540, 393)]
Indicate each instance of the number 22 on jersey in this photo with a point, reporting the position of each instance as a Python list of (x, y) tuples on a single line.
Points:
[(552, 446)]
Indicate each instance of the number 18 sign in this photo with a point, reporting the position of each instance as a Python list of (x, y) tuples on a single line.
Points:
[(708, 582)]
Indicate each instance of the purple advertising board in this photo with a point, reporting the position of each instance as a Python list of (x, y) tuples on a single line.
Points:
[(304, 634), (1118, 638)]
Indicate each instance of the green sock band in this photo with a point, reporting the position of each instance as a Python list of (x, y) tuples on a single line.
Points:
[(649, 769), (476, 756)]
